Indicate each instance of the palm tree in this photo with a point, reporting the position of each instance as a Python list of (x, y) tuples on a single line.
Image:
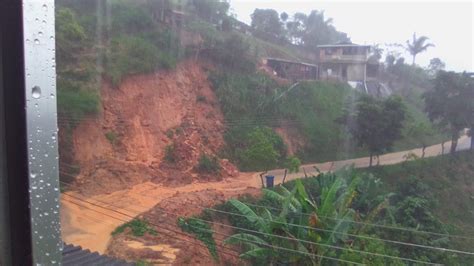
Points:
[(418, 46)]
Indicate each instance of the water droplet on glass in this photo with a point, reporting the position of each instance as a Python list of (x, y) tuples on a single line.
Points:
[(40, 33), (37, 19), (32, 175), (37, 41), (45, 8), (36, 92), (51, 37)]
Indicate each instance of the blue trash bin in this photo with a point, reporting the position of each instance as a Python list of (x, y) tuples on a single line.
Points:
[(270, 180)]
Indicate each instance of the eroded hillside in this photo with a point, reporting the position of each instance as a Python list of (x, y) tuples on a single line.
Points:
[(143, 122)]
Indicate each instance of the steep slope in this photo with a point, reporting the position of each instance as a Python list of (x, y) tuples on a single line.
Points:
[(140, 118)]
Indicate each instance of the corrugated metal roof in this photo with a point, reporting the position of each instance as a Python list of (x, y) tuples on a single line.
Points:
[(74, 255)]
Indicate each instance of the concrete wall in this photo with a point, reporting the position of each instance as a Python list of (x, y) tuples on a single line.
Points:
[(355, 72)]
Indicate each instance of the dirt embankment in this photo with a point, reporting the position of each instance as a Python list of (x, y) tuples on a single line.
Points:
[(171, 245), (146, 114)]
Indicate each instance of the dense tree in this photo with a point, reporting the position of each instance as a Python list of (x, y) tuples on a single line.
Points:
[(435, 65), (418, 45), (376, 124), (319, 30), (450, 103), (210, 10), (296, 27), (375, 53), (267, 21)]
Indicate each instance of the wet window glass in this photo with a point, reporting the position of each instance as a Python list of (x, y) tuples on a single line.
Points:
[(210, 132)]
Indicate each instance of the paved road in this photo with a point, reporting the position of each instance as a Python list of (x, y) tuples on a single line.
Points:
[(386, 159)]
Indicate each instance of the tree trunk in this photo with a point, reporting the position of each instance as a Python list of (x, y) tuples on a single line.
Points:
[(370, 160), (261, 178), (378, 159), (423, 151), (442, 148), (413, 62), (454, 143), (284, 177)]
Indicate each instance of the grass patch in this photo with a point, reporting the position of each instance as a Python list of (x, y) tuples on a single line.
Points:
[(138, 227), (78, 104)]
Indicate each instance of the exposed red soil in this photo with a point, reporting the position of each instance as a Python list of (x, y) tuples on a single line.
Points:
[(142, 116), (188, 250)]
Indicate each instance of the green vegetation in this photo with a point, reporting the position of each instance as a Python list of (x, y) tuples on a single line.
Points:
[(293, 164), (451, 103), (137, 226), (77, 104), (202, 231), (309, 221), (311, 107), (208, 164), (376, 124), (111, 137), (170, 153), (201, 98)]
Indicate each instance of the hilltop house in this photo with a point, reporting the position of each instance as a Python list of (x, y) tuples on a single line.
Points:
[(344, 62), (293, 70)]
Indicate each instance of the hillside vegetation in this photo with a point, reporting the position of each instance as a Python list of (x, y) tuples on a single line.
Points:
[(266, 120), (349, 215)]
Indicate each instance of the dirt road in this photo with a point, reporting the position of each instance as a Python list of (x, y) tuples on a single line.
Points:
[(89, 223)]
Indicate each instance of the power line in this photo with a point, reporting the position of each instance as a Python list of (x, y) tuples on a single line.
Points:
[(246, 240), (349, 221), (170, 230), (283, 237), (331, 231)]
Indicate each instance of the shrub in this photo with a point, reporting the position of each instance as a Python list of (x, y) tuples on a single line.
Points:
[(138, 228), (170, 153), (208, 164), (169, 133), (263, 150), (111, 137), (293, 164), (202, 231), (201, 98), (78, 103)]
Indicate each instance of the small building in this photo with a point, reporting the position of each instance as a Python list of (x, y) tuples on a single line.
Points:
[(293, 70), (344, 62)]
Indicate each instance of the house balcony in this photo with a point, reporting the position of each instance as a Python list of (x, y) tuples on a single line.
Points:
[(338, 58)]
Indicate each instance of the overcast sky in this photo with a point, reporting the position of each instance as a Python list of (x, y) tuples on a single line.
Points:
[(449, 25)]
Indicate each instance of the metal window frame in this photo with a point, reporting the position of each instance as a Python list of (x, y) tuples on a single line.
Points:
[(29, 180)]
